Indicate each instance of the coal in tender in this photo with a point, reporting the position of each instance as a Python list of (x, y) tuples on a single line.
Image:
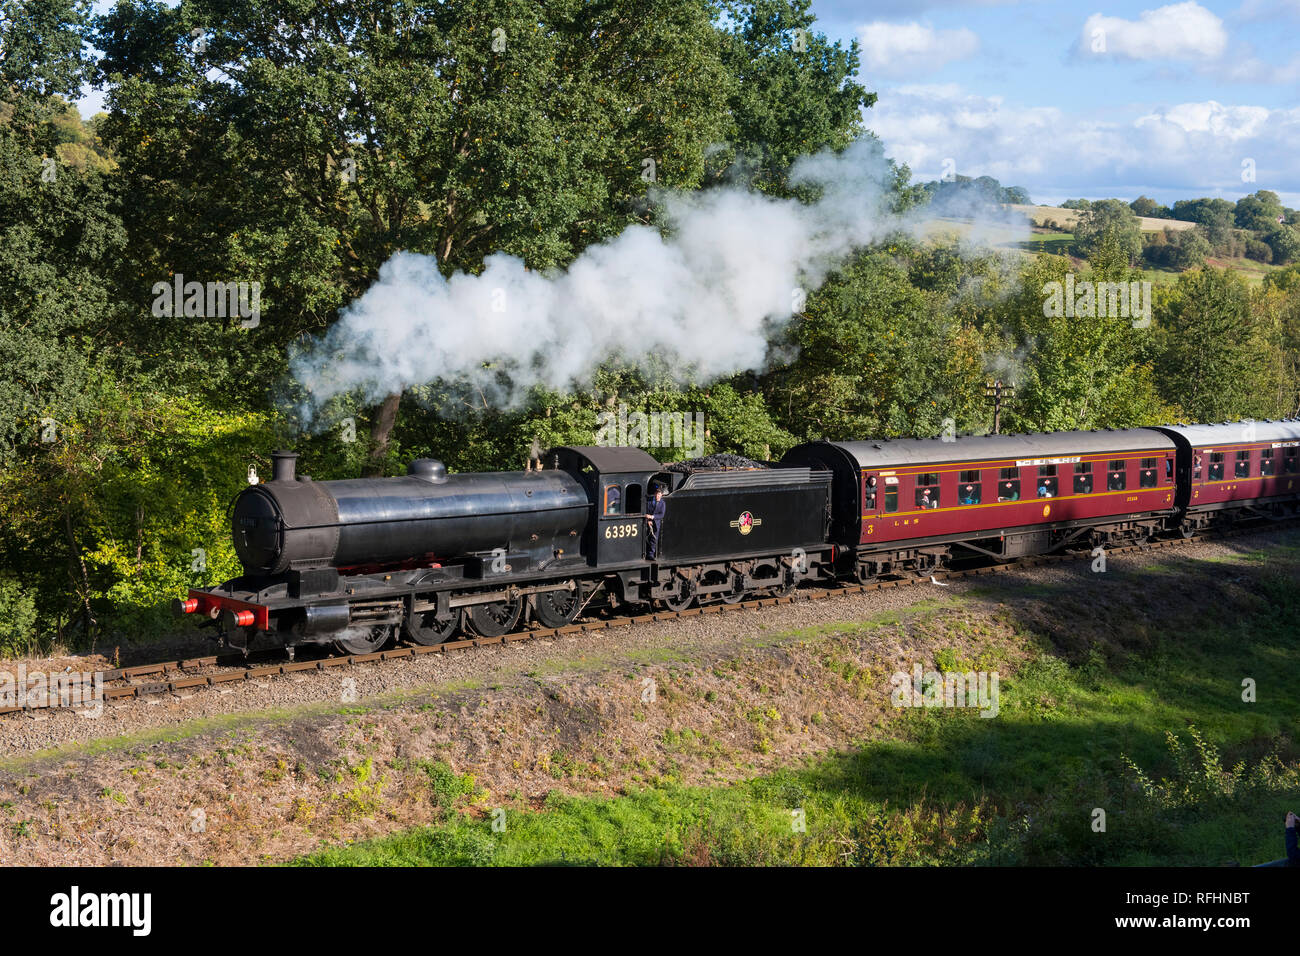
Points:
[(721, 461)]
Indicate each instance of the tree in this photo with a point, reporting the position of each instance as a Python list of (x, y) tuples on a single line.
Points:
[(1145, 206), (1108, 219), (1177, 249), (792, 91), (303, 153), (1216, 215), (1259, 212), (1214, 362), (1073, 372), (1285, 243)]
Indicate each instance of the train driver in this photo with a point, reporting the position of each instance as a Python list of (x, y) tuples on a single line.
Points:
[(655, 521)]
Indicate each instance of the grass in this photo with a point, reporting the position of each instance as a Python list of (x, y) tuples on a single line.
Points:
[(1159, 746)]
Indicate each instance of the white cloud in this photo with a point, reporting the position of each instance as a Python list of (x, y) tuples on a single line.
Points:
[(1180, 31), (898, 49), (1178, 151)]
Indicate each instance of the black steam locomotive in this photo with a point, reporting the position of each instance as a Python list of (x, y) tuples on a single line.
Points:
[(357, 563), (425, 556)]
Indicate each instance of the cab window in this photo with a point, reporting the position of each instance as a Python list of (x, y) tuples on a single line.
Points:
[(613, 500)]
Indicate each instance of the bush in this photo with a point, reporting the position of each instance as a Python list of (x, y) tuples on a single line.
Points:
[(1259, 251), (17, 618)]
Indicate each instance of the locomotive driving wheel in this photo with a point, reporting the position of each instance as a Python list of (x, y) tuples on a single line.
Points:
[(684, 597), (362, 639), (495, 619), (424, 628), (557, 608)]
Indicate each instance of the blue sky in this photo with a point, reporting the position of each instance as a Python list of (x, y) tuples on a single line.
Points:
[(1095, 99)]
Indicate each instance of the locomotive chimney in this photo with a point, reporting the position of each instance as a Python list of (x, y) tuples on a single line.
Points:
[(283, 464)]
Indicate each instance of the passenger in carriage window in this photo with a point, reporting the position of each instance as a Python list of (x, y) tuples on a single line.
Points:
[(1009, 491), (970, 495), (871, 493)]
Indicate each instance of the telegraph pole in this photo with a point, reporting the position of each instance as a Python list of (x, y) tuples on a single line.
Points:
[(996, 392)]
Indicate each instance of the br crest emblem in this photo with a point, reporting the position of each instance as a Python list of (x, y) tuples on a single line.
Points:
[(746, 522)]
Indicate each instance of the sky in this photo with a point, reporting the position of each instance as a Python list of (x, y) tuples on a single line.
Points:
[(1085, 100), (1078, 100)]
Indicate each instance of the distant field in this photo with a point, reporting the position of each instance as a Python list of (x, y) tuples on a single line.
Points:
[(1069, 218)]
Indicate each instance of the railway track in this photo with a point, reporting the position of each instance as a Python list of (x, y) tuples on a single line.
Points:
[(170, 677)]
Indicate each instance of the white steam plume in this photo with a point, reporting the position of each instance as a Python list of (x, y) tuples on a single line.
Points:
[(703, 300)]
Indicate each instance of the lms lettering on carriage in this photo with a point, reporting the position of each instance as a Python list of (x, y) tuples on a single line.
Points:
[(75, 909)]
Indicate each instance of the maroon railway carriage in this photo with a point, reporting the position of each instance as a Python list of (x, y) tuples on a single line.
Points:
[(909, 504), (1236, 469)]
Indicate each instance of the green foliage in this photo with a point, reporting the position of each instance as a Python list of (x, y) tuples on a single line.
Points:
[(1285, 243), (1108, 221), (1179, 249), (1214, 359)]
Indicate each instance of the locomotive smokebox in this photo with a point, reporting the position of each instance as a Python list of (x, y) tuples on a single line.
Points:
[(284, 464)]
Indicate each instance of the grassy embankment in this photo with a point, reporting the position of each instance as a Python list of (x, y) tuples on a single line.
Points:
[(1158, 737)]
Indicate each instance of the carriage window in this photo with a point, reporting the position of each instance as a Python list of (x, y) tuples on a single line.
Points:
[(1266, 461), (1216, 466), (1009, 490), (613, 497), (1116, 477), (1046, 481), (927, 491), (1169, 469), (968, 487), (1196, 466), (1083, 478), (891, 494), (1291, 461), (869, 494), (1242, 469), (1147, 475)]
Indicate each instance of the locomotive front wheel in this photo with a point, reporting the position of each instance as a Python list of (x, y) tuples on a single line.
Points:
[(363, 640), (426, 629), (556, 608), (495, 619)]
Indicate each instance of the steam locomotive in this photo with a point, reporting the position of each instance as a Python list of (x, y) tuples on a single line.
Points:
[(428, 555)]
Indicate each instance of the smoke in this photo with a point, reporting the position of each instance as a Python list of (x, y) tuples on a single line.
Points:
[(701, 299)]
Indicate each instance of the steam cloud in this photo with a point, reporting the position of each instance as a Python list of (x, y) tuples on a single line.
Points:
[(703, 299)]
